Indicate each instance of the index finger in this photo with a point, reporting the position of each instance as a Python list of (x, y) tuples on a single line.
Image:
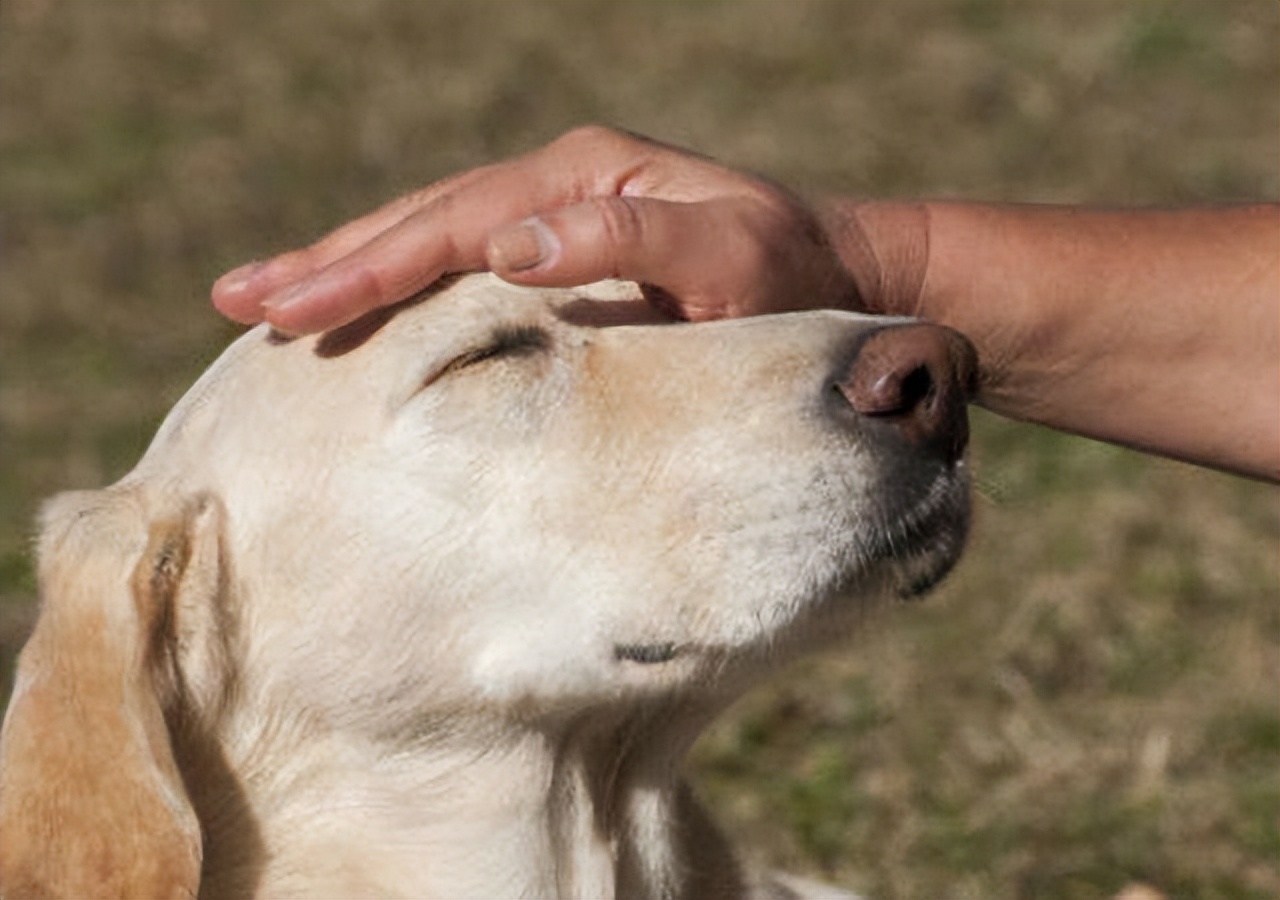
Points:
[(405, 246), (240, 292)]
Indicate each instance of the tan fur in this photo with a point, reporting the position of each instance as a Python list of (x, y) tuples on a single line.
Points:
[(88, 714)]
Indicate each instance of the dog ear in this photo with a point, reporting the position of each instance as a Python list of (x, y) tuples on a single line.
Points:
[(91, 799)]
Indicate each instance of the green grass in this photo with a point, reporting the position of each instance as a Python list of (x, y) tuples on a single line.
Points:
[(1089, 701)]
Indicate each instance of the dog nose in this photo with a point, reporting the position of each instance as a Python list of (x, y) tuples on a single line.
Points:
[(916, 379)]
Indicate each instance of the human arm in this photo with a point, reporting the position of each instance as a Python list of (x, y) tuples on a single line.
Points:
[(1159, 330), (1154, 329)]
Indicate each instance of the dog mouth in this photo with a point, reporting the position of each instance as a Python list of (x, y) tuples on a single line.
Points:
[(922, 574), (646, 654), (898, 541), (923, 544)]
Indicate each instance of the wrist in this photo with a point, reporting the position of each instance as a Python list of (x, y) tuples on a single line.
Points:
[(884, 245)]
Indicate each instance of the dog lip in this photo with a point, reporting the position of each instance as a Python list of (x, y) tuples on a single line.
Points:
[(924, 544), (922, 583), (645, 654)]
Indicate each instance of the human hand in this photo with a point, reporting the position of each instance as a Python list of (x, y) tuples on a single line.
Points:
[(706, 241)]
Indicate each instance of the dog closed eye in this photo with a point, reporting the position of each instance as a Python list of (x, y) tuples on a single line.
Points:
[(503, 343), (524, 340)]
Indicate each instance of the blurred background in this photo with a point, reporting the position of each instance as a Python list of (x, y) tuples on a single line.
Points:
[(1091, 700)]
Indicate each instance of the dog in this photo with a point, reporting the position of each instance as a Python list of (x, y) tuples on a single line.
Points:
[(434, 604)]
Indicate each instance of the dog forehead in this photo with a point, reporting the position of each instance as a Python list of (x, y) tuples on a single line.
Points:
[(269, 393), (443, 318), (471, 306)]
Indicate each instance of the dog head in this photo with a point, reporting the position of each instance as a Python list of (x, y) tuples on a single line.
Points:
[(488, 502)]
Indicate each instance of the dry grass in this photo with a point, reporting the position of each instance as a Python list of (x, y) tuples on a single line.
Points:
[(1091, 700)]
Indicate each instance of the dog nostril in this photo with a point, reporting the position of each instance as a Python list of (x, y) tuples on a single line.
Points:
[(916, 379), (917, 388), (893, 393), (889, 377)]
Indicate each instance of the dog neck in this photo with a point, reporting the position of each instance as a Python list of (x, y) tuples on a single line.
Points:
[(593, 808)]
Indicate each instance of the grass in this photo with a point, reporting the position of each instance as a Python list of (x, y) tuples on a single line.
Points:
[(1089, 701)]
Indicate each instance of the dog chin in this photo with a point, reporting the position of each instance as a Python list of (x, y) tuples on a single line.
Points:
[(923, 545), (918, 576)]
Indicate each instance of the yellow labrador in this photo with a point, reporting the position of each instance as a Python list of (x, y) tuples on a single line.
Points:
[(433, 605)]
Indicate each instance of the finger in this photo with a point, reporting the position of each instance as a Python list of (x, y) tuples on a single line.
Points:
[(706, 256), (239, 293), (448, 234), (584, 162), (402, 262), (411, 242)]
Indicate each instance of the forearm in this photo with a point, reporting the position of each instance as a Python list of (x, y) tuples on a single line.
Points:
[(1159, 330)]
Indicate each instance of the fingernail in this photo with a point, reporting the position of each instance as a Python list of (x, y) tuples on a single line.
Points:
[(342, 285), (287, 298), (524, 246), (237, 279)]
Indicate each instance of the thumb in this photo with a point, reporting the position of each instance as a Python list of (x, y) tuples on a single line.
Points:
[(692, 251)]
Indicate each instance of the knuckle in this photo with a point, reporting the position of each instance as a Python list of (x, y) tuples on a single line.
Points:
[(592, 136), (368, 288), (621, 223), (293, 263)]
